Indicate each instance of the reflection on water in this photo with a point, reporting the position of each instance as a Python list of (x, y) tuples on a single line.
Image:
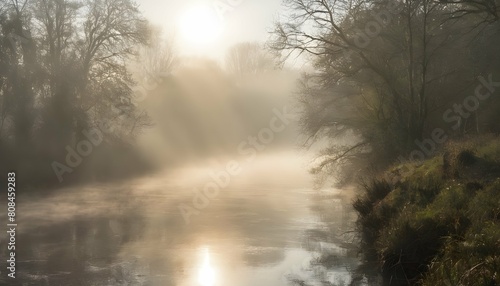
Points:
[(268, 228), (206, 276), (331, 243)]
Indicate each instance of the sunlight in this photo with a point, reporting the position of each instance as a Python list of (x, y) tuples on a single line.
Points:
[(206, 274), (199, 25)]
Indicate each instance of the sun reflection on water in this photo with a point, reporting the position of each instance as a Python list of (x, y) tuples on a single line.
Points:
[(206, 274)]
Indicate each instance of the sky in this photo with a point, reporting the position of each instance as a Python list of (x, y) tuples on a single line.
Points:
[(209, 27)]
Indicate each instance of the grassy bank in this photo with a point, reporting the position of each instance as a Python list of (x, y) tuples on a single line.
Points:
[(436, 222)]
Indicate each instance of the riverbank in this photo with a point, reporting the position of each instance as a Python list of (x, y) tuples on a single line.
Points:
[(42, 174), (436, 222)]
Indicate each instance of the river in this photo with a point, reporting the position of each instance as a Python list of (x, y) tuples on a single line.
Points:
[(267, 227)]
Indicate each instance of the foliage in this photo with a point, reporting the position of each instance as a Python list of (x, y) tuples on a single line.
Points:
[(433, 229), (384, 74), (63, 72)]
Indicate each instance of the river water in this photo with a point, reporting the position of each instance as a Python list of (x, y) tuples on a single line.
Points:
[(268, 227)]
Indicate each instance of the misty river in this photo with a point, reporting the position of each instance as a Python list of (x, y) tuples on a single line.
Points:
[(268, 227)]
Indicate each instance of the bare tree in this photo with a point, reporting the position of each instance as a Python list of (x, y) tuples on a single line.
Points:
[(380, 69), (157, 58), (248, 58), (485, 11)]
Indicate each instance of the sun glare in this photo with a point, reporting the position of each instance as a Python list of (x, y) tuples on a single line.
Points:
[(199, 25), (206, 274)]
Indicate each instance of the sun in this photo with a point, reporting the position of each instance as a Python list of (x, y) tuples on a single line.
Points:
[(199, 25)]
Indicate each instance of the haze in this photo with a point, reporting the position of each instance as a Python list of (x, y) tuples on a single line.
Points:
[(262, 142)]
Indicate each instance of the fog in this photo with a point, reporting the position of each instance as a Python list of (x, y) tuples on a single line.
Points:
[(140, 163), (266, 142), (201, 110)]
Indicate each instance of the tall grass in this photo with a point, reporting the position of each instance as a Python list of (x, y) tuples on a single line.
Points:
[(440, 223)]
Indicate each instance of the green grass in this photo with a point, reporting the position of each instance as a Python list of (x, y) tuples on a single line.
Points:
[(438, 222)]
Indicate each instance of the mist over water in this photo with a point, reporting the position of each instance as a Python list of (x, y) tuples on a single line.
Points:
[(224, 142), (264, 225), (150, 168), (201, 111), (262, 229)]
